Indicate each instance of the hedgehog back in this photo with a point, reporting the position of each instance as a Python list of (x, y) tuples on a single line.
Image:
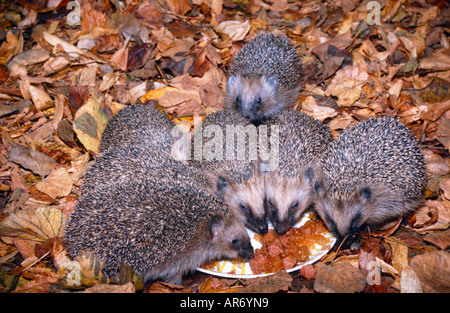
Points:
[(378, 150), (237, 170), (303, 139), (134, 123), (144, 221), (271, 56)]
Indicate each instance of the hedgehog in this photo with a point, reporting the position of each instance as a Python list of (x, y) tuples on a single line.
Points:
[(135, 122), (231, 166), (372, 173), (265, 77), (155, 218), (288, 189)]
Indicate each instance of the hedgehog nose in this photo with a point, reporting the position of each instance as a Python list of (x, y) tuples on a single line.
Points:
[(263, 229), (246, 252)]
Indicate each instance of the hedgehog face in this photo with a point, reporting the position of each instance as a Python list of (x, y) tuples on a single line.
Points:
[(230, 237), (246, 200), (286, 200), (344, 215), (253, 97)]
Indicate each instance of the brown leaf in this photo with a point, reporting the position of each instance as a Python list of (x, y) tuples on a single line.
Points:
[(409, 281), (340, 42), (437, 90), (162, 287), (35, 161), (41, 284), (433, 216), (65, 133), (78, 95), (106, 288), (152, 14), (91, 18), (444, 185), (89, 123), (119, 60), (180, 7), (37, 224), (399, 253), (30, 57), (59, 254), (438, 61), (443, 131), (58, 184), (433, 270), (40, 98), (280, 281), (440, 239), (340, 277)]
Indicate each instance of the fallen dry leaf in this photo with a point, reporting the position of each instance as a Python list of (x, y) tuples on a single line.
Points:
[(280, 281), (58, 184), (399, 253), (443, 131), (340, 277), (439, 60), (236, 30), (33, 160), (37, 224), (106, 288), (88, 124), (40, 98), (409, 281), (433, 270)]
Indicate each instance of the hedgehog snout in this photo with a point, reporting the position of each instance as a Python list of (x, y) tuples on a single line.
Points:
[(246, 251)]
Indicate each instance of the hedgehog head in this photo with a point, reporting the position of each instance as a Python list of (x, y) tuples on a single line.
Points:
[(287, 198), (246, 200), (343, 214), (229, 237), (254, 97)]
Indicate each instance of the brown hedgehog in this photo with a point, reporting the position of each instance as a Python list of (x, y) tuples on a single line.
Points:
[(264, 78), (373, 172), (288, 189), (152, 216)]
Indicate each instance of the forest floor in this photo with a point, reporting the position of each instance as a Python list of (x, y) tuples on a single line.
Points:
[(66, 67)]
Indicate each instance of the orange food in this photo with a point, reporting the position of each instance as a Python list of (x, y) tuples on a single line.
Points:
[(283, 252)]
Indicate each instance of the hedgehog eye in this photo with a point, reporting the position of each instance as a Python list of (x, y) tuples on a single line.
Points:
[(293, 207), (258, 101), (238, 103), (244, 209), (234, 242)]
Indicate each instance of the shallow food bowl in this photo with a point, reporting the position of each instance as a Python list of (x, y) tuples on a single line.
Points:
[(239, 269)]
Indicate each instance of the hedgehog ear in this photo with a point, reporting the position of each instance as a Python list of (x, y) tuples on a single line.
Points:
[(309, 175), (222, 185), (272, 82), (214, 226), (232, 80), (366, 194)]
